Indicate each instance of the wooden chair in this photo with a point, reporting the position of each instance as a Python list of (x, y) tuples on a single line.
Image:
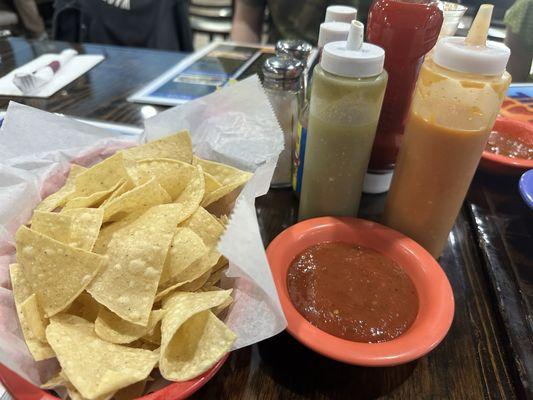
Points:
[(211, 17)]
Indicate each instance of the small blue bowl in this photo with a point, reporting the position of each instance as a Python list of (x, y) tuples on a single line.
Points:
[(526, 187)]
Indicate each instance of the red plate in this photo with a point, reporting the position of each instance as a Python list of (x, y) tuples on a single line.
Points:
[(505, 165), (21, 389)]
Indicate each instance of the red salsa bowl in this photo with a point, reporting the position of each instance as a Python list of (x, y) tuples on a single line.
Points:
[(436, 302), (513, 130)]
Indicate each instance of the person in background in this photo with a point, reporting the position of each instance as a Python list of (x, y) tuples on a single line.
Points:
[(31, 19), (294, 19), (519, 38), (154, 24)]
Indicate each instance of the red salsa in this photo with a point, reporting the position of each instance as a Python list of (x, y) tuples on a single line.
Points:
[(352, 292), (508, 146)]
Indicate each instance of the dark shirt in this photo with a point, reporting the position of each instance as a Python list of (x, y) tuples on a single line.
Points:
[(301, 19)]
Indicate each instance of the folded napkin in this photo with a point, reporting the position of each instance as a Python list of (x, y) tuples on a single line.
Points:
[(75, 68)]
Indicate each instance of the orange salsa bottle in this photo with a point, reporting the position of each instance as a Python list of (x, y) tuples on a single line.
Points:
[(458, 95)]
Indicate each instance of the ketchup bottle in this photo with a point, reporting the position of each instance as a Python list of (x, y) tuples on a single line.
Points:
[(407, 30)]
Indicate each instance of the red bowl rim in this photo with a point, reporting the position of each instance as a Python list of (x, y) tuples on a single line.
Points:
[(518, 163), (515, 163), (390, 353), (175, 391)]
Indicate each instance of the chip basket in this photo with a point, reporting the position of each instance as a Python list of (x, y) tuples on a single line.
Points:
[(21, 389)]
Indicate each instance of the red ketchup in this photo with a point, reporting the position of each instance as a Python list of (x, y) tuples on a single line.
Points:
[(407, 30)]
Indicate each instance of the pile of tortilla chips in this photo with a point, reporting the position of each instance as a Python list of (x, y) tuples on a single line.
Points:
[(117, 273)]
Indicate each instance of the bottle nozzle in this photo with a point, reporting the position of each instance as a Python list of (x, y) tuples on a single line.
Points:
[(355, 35), (477, 35)]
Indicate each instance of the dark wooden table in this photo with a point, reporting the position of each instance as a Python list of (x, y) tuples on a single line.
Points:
[(488, 260)]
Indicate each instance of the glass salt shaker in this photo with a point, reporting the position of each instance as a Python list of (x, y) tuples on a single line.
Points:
[(294, 48), (283, 85), (301, 50)]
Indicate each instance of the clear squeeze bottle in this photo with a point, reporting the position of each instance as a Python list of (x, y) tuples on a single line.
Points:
[(347, 93), (457, 98), (329, 32)]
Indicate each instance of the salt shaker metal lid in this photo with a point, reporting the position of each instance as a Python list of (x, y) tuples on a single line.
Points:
[(282, 72), (296, 48)]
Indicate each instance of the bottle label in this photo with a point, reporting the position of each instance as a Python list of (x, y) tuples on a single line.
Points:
[(298, 158)]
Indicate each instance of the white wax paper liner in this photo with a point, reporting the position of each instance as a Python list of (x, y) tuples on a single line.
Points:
[(235, 125)]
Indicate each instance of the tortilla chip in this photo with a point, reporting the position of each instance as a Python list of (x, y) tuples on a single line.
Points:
[(196, 284), (193, 193), (144, 344), (198, 268), (222, 263), (177, 147), (123, 188), (193, 339), (102, 176), (52, 224), (199, 344), (77, 227), (94, 199), (53, 382), (21, 287), (169, 290), (85, 228), (191, 278), (73, 394), (223, 307), (154, 336), (112, 328), (21, 291), (60, 380), (221, 192), (186, 248), (59, 198), (218, 309), (136, 248), (93, 366), (228, 177), (173, 175), (34, 316), (211, 184), (215, 277), (57, 273), (205, 225), (224, 174), (141, 197), (85, 307)]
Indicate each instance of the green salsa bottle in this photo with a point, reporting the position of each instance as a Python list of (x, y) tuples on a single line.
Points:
[(329, 32), (347, 93)]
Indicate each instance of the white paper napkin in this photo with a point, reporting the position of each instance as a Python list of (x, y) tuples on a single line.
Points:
[(66, 74)]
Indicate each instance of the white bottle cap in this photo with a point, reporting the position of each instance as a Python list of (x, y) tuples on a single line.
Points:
[(340, 14), (453, 53), (473, 54), (332, 32), (353, 58)]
